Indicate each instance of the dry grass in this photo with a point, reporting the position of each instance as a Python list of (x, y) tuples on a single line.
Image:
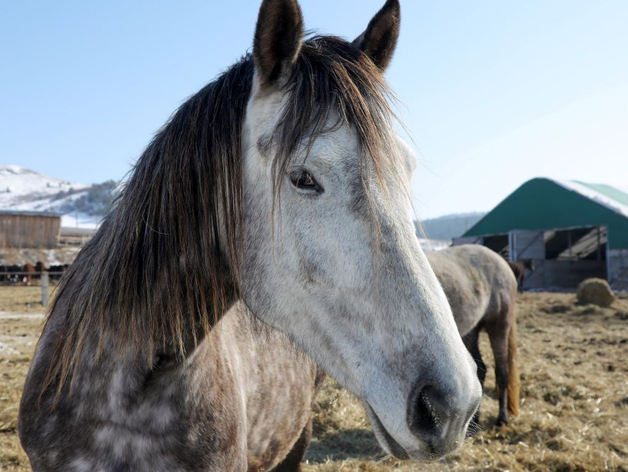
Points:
[(22, 299), (17, 342), (574, 368)]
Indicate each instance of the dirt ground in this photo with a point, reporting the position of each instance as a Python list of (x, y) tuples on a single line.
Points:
[(574, 417)]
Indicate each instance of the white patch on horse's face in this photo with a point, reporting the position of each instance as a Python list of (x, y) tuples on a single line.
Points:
[(377, 321)]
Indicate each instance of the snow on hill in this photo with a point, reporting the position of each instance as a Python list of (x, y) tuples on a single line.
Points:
[(19, 185), (80, 205)]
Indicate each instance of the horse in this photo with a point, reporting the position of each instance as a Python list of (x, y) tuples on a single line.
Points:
[(14, 271), (519, 269), (280, 184), (39, 268), (482, 292), (56, 271), (29, 270)]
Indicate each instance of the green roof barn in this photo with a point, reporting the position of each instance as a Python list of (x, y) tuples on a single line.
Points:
[(576, 229)]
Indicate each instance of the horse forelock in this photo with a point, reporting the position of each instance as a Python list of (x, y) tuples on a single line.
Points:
[(156, 275), (332, 76)]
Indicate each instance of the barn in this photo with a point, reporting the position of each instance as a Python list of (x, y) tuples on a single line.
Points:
[(572, 230), (29, 229)]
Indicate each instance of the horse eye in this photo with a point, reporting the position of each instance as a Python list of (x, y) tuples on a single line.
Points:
[(303, 180)]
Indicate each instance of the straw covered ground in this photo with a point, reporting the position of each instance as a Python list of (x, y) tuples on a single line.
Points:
[(574, 365)]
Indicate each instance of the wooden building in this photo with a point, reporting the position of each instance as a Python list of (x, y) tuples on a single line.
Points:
[(571, 230), (29, 229)]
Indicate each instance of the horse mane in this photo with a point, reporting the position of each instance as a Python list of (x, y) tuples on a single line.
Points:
[(155, 271)]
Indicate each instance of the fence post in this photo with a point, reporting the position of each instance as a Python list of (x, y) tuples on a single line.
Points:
[(44, 289)]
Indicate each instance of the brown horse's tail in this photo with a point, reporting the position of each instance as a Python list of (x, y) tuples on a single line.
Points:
[(514, 384)]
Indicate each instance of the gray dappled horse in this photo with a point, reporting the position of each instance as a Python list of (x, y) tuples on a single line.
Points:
[(482, 291), (280, 183)]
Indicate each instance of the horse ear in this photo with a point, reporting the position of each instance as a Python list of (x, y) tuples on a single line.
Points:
[(380, 38), (278, 38)]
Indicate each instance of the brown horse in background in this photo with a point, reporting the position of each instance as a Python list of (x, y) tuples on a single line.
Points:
[(56, 271), (519, 269), (39, 268), (13, 271), (482, 290), (29, 270)]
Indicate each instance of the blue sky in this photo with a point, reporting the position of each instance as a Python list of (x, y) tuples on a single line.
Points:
[(493, 92)]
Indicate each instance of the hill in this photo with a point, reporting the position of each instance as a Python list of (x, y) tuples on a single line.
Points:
[(450, 226), (81, 205)]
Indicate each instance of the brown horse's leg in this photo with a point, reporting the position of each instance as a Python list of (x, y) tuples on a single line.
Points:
[(292, 462), (471, 342), (521, 280), (498, 335)]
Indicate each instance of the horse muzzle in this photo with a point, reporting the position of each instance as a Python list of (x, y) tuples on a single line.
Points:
[(436, 423)]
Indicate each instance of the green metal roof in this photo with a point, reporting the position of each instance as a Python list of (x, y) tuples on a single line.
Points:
[(543, 204), (607, 190)]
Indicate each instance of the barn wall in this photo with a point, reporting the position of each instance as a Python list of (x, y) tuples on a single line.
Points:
[(29, 231), (526, 245), (618, 268), (563, 274)]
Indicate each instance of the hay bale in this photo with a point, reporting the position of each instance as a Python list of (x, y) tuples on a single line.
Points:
[(595, 291)]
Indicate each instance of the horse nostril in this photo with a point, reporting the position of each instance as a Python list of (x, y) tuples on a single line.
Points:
[(424, 416)]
